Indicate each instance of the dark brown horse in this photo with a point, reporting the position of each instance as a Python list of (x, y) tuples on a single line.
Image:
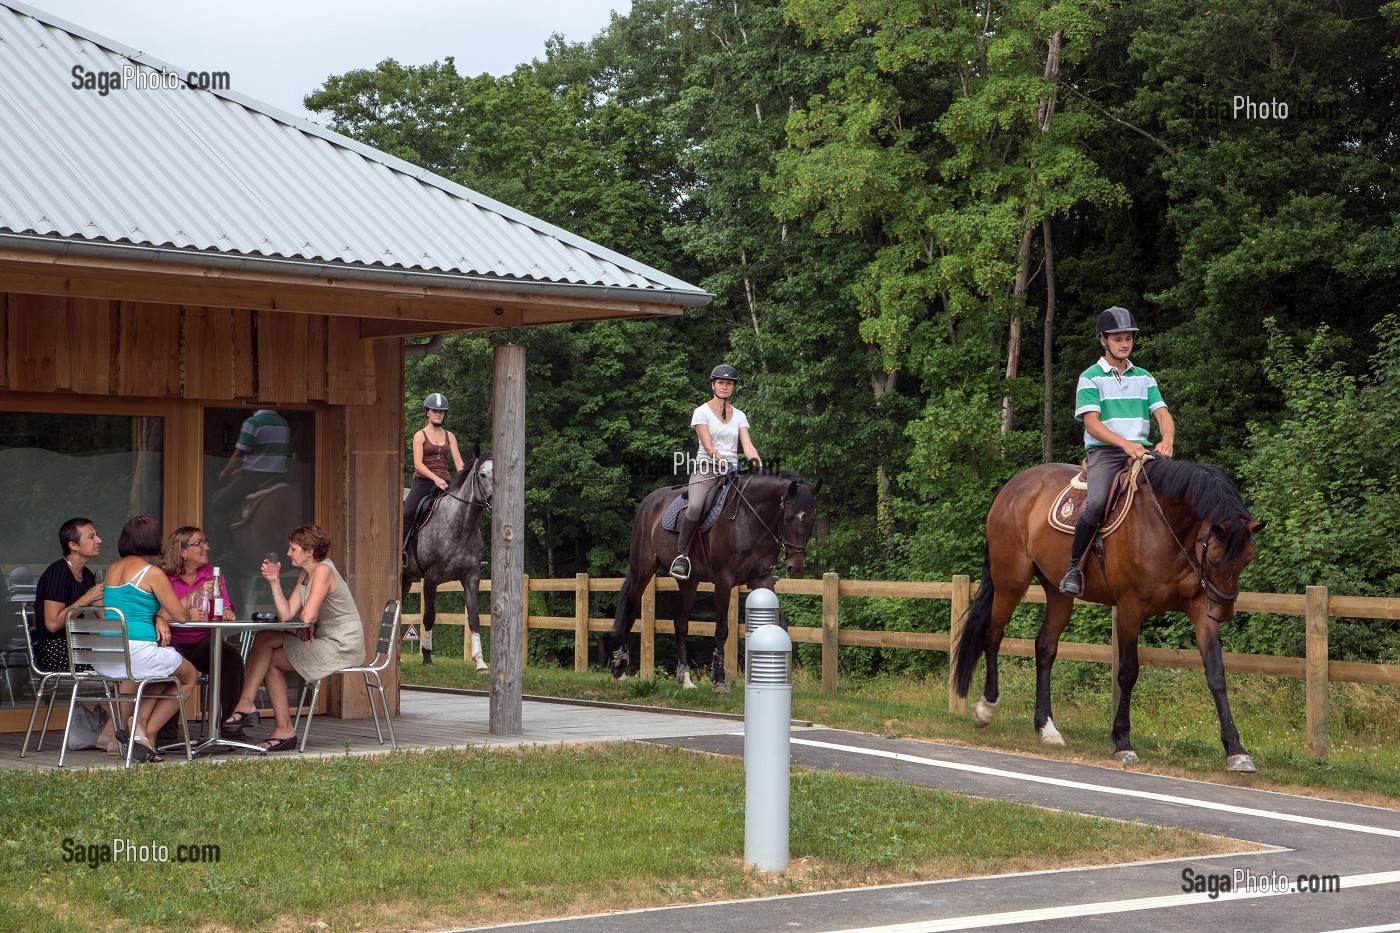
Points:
[(1181, 548), (764, 517)]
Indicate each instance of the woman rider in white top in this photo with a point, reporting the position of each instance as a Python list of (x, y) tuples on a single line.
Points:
[(723, 430)]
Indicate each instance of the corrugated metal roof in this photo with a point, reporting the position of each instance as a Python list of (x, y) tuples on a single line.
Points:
[(214, 172)]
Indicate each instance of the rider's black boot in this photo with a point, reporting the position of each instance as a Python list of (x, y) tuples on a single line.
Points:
[(1073, 583), (685, 530)]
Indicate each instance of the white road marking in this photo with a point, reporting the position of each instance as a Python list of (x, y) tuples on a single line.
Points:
[(979, 921), (1102, 788)]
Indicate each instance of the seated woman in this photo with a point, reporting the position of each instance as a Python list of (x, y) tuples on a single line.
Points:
[(185, 561), (140, 589), (334, 640)]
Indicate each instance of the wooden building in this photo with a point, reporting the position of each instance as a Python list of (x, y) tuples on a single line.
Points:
[(172, 260)]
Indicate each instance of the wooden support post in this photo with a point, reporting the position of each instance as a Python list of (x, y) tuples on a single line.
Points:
[(831, 584), (731, 644), (647, 667), (508, 540), (581, 622), (525, 625), (962, 598), (1315, 670)]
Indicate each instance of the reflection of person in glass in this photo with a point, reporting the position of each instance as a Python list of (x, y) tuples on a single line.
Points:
[(259, 455)]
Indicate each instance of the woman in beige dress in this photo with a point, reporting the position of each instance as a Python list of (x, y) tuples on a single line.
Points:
[(334, 639)]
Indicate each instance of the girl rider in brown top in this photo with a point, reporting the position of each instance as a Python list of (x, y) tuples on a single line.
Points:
[(432, 445)]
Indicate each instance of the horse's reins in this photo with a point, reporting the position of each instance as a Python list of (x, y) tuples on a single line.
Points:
[(1202, 569), (783, 544)]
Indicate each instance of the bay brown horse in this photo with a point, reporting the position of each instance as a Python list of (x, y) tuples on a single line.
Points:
[(1181, 548), (763, 518)]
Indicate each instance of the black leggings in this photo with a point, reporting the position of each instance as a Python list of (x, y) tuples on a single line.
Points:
[(421, 488)]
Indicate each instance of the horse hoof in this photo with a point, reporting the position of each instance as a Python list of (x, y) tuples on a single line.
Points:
[(686, 682), (1126, 757), (983, 712), (1241, 763), (721, 688), (427, 657), (619, 678), (481, 666), (1050, 735)]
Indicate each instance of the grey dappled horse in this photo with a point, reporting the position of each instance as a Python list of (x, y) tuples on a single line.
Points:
[(764, 517), (449, 547)]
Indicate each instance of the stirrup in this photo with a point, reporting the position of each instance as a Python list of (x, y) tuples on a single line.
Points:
[(680, 567)]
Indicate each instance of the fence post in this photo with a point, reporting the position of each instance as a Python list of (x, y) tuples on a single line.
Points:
[(525, 623), (1315, 670), (647, 667), (731, 644), (831, 633), (962, 598), (581, 622)]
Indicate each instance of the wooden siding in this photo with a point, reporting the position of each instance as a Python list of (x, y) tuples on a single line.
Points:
[(95, 346)]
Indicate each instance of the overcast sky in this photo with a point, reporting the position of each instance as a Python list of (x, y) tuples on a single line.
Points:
[(278, 51)]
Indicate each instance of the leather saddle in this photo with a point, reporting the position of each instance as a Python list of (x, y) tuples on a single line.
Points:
[(1064, 511), (250, 503), (670, 520)]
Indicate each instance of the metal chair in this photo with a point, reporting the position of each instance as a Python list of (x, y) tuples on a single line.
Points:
[(49, 681), (106, 640), (383, 655)]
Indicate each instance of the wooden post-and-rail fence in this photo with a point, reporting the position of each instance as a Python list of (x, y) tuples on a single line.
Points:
[(1315, 606)]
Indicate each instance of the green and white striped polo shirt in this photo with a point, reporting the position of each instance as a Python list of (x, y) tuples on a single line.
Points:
[(1124, 403)]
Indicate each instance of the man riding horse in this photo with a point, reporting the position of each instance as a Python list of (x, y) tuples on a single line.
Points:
[(1117, 402)]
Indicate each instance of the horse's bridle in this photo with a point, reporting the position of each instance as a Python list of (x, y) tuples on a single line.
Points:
[(1202, 568), (784, 546), (477, 487)]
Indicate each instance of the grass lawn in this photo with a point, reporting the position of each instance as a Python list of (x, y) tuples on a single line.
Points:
[(467, 837), (1175, 729)]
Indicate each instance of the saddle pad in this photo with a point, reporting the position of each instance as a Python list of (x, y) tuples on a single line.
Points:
[(670, 520), (1064, 511)]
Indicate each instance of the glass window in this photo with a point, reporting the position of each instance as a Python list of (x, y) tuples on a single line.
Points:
[(259, 484), (57, 466)]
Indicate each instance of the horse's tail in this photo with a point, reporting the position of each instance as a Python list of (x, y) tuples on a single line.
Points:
[(974, 630)]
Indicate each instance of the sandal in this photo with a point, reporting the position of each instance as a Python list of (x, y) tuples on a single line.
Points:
[(278, 745), (142, 751), (240, 720)]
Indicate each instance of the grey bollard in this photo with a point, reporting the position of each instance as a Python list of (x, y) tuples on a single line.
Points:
[(767, 735)]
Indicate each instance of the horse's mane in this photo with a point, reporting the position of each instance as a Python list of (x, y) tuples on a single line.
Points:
[(1207, 491), (462, 475)]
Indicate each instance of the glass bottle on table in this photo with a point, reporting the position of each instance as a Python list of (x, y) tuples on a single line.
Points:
[(216, 595)]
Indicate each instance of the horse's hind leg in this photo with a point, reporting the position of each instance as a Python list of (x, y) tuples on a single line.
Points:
[(629, 602), (723, 595), (1047, 645)]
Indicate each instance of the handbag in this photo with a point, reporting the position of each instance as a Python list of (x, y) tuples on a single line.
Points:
[(87, 725)]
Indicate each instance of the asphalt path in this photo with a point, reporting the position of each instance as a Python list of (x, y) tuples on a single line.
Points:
[(1312, 844)]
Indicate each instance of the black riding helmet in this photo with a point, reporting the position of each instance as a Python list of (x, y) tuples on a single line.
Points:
[(435, 402), (724, 371), (1117, 320)]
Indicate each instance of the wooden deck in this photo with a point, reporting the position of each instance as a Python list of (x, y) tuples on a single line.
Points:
[(431, 720)]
